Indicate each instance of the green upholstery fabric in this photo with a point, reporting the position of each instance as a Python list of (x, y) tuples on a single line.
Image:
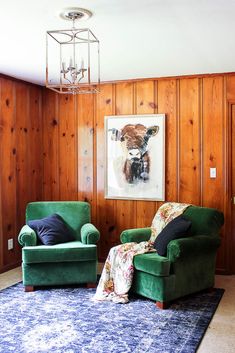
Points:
[(190, 262), (60, 273), (135, 235), (205, 221), (89, 234), (68, 263), (71, 251), (152, 263), (27, 236), (185, 248), (74, 213)]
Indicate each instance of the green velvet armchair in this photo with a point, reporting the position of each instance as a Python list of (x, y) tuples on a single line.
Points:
[(72, 262), (190, 262)]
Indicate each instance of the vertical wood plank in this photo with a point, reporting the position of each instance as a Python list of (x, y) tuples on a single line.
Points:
[(23, 152), (106, 221), (167, 104), (8, 169), (35, 154), (232, 247), (1, 164), (50, 146), (189, 139), (230, 87), (125, 210), (67, 148), (85, 117), (146, 103), (213, 195)]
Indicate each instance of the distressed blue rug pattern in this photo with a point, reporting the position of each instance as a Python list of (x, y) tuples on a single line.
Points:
[(65, 320)]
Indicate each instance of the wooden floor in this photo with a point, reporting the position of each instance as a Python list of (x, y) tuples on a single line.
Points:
[(220, 336)]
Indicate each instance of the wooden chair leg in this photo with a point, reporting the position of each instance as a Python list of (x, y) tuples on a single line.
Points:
[(162, 305), (29, 288), (91, 285)]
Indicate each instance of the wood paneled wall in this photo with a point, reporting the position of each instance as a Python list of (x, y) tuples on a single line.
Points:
[(20, 161), (52, 148), (196, 139)]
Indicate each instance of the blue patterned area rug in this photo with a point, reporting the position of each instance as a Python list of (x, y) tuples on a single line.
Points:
[(65, 320)]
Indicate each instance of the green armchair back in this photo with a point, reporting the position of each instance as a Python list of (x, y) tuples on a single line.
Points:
[(190, 262), (67, 263)]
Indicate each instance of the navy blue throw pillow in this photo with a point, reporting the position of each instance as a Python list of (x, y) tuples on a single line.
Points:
[(52, 230), (179, 227)]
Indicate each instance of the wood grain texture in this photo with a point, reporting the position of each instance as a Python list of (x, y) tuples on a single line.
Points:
[(51, 187), (230, 87), (213, 152), (232, 237), (146, 103), (23, 151), (56, 143), (1, 203), (212, 134), (189, 142), (195, 141), (86, 158), (20, 145), (167, 104), (67, 148), (8, 173), (105, 219), (125, 210), (35, 152)]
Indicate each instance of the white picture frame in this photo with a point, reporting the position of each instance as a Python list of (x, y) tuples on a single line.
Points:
[(135, 157)]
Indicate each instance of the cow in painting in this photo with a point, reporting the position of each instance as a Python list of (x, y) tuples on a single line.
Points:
[(134, 142)]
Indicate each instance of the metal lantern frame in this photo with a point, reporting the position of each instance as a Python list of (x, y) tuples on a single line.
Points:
[(72, 85)]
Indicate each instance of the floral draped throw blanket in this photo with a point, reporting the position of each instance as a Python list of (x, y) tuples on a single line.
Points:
[(116, 278)]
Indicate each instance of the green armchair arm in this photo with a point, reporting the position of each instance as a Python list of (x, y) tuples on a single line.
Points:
[(188, 247), (135, 235), (89, 234), (27, 236)]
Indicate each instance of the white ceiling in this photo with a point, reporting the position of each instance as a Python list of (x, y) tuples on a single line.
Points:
[(138, 38)]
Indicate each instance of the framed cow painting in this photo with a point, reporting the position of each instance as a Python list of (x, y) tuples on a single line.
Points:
[(135, 157)]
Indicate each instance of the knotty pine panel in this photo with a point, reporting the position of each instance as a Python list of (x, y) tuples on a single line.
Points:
[(125, 210), (212, 142), (24, 153), (230, 87), (189, 142), (167, 104), (20, 154), (51, 190), (68, 168), (146, 103), (213, 192), (8, 167), (1, 223), (106, 217), (86, 157), (23, 149), (195, 121), (35, 155)]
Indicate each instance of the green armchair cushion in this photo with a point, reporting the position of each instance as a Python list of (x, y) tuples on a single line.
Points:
[(71, 251), (52, 230), (152, 263), (74, 213)]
